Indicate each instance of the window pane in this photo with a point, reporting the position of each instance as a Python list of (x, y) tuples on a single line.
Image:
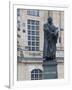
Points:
[(29, 27), (33, 48), (32, 22), (28, 21), (36, 70), (37, 38), (37, 43), (33, 43), (33, 12), (33, 27), (33, 32), (37, 12), (29, 42), (29, 37), (37, 32), (36, 76), (33, 71), (29, 48), (29, 32), (37, 48), (32, 75), (33, 37)]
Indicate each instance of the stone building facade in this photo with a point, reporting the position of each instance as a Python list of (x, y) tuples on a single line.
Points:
[(30, 39)]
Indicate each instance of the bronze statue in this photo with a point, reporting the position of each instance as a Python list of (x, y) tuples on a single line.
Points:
[(50, 40)]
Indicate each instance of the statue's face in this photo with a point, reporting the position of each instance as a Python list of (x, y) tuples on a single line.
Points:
[(50, 20)]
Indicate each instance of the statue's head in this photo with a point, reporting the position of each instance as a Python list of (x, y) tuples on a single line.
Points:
[(50, 20)]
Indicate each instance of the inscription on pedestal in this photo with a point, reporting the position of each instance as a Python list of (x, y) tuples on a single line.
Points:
[(50, 69)]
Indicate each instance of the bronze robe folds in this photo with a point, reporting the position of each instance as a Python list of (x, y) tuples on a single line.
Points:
[(50, 40)]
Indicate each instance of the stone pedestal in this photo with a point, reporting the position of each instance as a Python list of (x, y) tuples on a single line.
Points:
[(50, 69)]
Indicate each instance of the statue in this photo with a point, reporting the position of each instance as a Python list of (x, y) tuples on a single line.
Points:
[(50, 40)]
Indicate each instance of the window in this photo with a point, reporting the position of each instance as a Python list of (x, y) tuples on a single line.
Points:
[(18, 12), (33, 12), (33, 35), (18, 25), (36, 74)]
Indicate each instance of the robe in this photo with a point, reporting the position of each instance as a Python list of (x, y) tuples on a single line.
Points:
[(50, 40)]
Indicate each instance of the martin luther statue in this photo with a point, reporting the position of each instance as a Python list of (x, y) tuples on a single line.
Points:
[(50, 40)]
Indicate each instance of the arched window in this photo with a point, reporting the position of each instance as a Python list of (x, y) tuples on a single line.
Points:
[(36, 74)]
